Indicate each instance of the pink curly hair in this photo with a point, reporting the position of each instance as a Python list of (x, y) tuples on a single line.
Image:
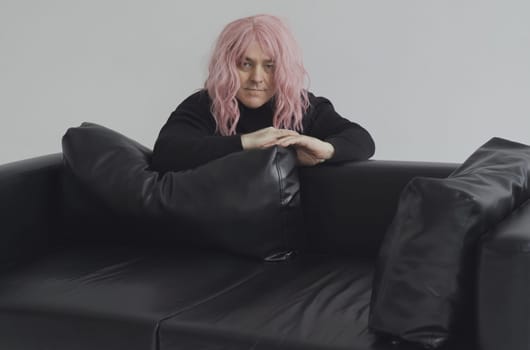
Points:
[(276, 40)]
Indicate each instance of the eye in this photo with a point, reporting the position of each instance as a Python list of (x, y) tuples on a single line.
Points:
[(269, 67), (245, 65)]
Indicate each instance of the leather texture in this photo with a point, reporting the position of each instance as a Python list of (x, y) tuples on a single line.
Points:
[(503, 284), (312, 302), (423, 289), (29, 208), (131, 297), (113, 294), (109, 297), (246, 202), (347, 207)]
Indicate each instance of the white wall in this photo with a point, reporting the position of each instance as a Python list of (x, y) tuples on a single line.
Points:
[(431, 80)]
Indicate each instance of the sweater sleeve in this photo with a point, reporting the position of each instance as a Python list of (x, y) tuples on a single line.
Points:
[(350, 140), (188, 138)]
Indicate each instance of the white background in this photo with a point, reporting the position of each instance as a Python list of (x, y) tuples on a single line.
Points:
[(431, 80)]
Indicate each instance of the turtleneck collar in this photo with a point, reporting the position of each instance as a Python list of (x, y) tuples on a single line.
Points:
[(252, 119), (267, 106)]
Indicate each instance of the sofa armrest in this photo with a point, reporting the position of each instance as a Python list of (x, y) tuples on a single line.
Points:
[(504, 284), (29, 197)]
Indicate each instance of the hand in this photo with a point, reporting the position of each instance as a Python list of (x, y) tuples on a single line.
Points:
[(309, 150), (264, 138)]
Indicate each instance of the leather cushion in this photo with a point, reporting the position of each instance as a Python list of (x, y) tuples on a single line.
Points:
[(110, 296), (246, 202), (423, 282), (356, 197), (503, 284), (313, 302)]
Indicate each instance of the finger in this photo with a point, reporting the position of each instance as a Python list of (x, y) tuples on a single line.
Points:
[(273, 135), (286, 132), (275, 143), (288, 141), (268, 144), (299, 140)]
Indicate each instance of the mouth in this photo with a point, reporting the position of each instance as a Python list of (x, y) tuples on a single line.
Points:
[(252, 89)]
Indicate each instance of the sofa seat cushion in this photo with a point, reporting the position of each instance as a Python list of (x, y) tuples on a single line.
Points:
[(313, 302), (96, 297)]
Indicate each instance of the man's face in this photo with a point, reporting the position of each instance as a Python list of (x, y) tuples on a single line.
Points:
[(256, 76)]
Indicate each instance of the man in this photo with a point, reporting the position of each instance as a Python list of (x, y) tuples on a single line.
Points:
[(255, 97)]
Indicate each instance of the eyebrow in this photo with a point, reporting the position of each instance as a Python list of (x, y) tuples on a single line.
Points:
[(252, 60)]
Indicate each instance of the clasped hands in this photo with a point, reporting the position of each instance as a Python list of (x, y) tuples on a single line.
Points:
[(309, 150)]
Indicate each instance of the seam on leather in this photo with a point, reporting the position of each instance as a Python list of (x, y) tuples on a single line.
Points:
[(215, 295), (156, 341), (282, 195)]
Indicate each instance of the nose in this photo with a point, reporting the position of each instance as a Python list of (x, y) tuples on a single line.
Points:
[(256, 75)]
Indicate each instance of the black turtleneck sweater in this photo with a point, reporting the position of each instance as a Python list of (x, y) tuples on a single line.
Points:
[(188, 139)]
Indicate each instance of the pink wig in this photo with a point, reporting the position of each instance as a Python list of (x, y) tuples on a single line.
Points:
[(275, 40)]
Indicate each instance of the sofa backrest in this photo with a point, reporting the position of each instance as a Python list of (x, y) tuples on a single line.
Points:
[(347, 207)]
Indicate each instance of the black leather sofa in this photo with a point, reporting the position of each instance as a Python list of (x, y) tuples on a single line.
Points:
[(59, 291)]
